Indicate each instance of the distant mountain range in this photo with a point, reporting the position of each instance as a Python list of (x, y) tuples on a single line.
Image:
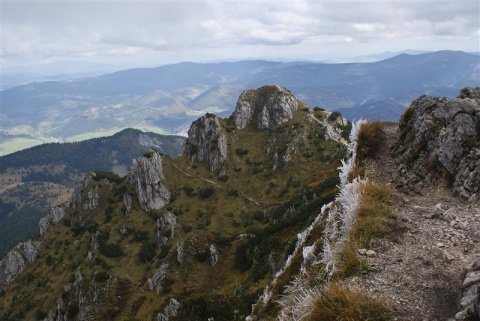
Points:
[(166, 99)]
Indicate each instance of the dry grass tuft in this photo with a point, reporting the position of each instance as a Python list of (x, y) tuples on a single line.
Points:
[(369, 139), (338, 303), (374, 217)]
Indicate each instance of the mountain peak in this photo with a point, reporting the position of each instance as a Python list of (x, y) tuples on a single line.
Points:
[(264, 107)]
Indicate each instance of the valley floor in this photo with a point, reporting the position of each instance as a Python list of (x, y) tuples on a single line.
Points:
[(420, 267)]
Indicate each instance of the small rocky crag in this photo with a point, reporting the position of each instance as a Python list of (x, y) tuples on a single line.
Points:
[(85, 196), (146, 175), (16, 261), (55, 215), (264, 107), (440, 137), (207, 143)]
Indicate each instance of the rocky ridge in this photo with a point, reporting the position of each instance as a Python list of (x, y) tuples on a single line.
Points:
[(56, 214), (146, 175), (207, 143), (85, 196), (264, 107), (16, 261), (441, 137)]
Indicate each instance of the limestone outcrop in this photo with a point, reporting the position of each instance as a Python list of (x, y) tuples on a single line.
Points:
[(170, 310), (166, 226), (17, 260), (155, 282), (264, 107), (441, 137), (146, 174), (85, 196), (207, 143), (55, 215), (470, 298), (127, 202)]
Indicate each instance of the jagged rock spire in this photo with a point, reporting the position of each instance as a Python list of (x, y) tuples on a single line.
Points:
[(207, 143), (146, 175), (264, 107)]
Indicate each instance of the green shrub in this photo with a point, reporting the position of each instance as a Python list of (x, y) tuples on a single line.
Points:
[(334, 116), (147, 252), (206, 192), (233, 192), (223, 178), (241, 151), (110, 250), (189, 191), (111, 177), (73, 310), (101, 276)]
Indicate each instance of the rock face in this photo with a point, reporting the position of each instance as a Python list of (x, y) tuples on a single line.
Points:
[(470, 299), (127, 201), (207, 143), (441, 137), (55, 215), (16, 261), (146, 175), (170, 310), (265, 107), (155, 282), (87, 298), (85, 196), (166, 227)]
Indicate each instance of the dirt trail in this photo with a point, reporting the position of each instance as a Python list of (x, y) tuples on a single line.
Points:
[(421, 265)]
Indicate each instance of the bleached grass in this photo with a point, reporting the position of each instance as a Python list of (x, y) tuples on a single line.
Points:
[(300, 296)]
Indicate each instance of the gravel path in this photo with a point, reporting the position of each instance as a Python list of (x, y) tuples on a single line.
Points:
[(420, 266)]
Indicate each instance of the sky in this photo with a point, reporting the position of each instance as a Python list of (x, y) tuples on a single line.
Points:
[(156, 32)]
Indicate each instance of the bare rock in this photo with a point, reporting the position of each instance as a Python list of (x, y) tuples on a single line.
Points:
[(170, 310), (213, 255), (17, 260), (264, 107), (154, 283), (146, 175), (85, 196), (55, 215), (470, 298), (166, 226), (439, 139), (127, 201), (207, 143), (180, 251)]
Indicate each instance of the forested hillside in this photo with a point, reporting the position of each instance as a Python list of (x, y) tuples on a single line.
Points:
[(37, 178)]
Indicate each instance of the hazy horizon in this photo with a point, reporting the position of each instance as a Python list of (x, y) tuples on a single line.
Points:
[(126, 34)]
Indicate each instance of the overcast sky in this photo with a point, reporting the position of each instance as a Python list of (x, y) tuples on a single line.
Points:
[(155, 32)]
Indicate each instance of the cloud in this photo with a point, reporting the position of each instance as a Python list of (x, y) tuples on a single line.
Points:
[(36, 30)]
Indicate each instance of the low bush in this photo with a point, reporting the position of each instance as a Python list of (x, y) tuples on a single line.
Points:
[(206, 192), (241, 151), (334, 116), (110, 250), (101, 276)]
